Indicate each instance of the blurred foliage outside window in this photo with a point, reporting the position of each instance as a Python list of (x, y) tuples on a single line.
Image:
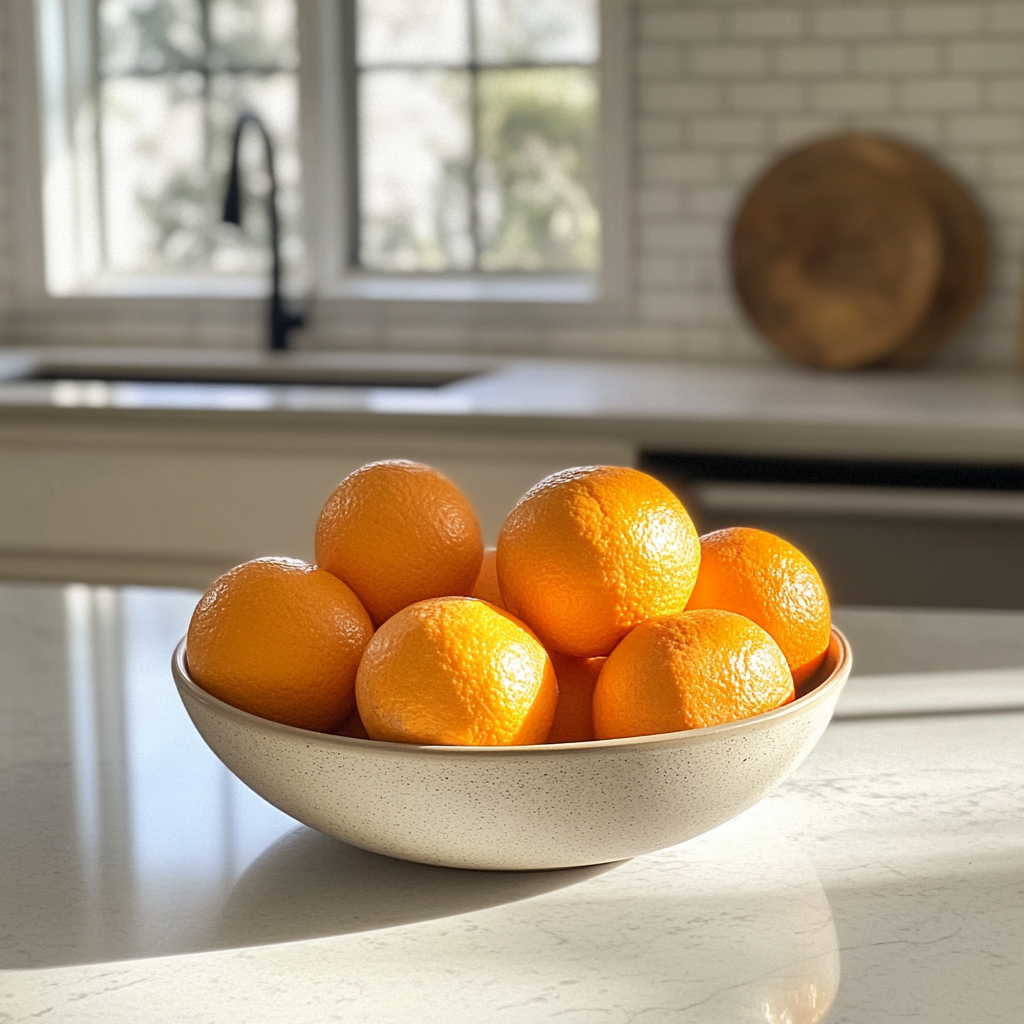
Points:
[(474, 148), (476, 135), (173, 76)]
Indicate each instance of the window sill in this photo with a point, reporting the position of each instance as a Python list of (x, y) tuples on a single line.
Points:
[(574, 289), (172, 286)]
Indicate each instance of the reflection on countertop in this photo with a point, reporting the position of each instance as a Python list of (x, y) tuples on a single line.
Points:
[(894, 854)]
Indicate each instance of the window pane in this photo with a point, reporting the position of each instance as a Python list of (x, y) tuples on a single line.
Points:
[(415, 152), (154, 189), (253, 34), (537, 199), (149, 35), (412, 32), (165, 153), (537, 31)]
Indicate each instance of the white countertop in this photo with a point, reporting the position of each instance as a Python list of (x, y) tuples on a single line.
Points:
[(925, 414), (882, 883)]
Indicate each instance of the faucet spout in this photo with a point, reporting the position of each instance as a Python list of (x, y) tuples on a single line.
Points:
[(281, 321)]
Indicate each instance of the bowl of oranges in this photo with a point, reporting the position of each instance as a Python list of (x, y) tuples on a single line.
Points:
[(602, 684)]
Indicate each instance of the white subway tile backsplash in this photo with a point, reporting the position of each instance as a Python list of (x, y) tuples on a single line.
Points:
[(1006, 17), (920, 129), (767, 96), (1009, 201), (942, 19), (1004, 309), (659, 61), (941, 94), (728, 132), (681, 236), (664, 270), (658, 202), (968, 162), (669, 306), (848, 21), (741, 168), (1007, 93), (698, 343), (680, 97), (741, 344), (659, 133), (767, 23), (987, 56), (712, 203), (671, 22), (815, 60), (680, 167), (1006, 165), (1008, 276), (851, 96), (788, 132), (986, 130), (729, 61), (699, 273), (902, 59), (686, 306)]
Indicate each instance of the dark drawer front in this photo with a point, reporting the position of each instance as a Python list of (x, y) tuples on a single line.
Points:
[(880, 534)]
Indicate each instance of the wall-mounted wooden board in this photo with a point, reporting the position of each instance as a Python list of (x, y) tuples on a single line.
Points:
[(858, 250)]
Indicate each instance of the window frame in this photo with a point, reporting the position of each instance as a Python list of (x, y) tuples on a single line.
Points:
[(474, 70), (228, 312)]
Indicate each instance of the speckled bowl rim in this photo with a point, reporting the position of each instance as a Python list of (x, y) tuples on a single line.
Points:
[(830, 685)]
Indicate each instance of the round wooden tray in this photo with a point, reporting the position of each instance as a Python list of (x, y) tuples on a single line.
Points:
[(858, 250), (967, 254)]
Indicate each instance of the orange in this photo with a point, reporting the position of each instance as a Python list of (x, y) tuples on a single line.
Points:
[(486, 586), (574, 713), (591, 552), (769, 581), (353, 727), (687, 671), (280, 639), (398, 532), (456, 671)]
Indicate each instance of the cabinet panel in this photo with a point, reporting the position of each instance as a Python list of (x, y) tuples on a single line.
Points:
[(180, 506)]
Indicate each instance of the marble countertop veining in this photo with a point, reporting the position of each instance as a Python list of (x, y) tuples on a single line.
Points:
[(883, 882), (670, 405)]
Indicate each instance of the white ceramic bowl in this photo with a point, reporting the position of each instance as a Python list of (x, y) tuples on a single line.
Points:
[(519, 808)]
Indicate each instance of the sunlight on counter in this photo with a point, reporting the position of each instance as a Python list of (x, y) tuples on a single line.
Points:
[(137, 842)]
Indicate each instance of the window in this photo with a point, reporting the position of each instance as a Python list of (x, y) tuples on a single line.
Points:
[(474, 135), (172, 77), (456, 141), (147, 127)]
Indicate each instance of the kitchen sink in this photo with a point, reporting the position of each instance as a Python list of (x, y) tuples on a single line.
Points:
[(358, 370), (270, 375)]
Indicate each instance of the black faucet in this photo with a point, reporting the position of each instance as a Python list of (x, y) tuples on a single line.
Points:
[(281, 321)]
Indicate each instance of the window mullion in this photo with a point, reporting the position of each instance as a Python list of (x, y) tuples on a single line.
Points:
[(473, 181), (204, 21), (350, 100), (97, 128)]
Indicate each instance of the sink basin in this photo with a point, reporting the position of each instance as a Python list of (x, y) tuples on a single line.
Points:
[(325, 378), (334, 369)]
